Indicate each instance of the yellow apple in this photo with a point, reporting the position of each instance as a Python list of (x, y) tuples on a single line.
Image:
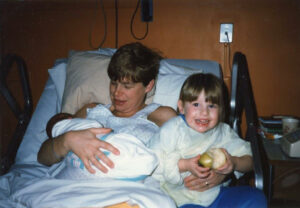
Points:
[(213, 158)]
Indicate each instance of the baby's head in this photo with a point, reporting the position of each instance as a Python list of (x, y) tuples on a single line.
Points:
[(201, 101), (56, 118)]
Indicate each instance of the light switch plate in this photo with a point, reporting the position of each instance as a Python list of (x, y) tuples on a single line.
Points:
[(226, 27)]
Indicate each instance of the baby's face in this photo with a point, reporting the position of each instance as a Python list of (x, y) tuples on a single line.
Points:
[(199, 114)]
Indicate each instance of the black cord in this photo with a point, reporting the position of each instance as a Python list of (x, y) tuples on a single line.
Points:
[(105, 26), (226, 33), (229, 51), (131, 24), (116, 24)]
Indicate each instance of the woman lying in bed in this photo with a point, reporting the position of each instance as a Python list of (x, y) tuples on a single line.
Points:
[(132, 70)]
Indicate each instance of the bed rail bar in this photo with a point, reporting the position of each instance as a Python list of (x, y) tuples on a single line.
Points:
[(22, 114), (242, 99)]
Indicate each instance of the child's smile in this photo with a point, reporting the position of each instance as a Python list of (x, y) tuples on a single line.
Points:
[(200, 114), (202, 122)]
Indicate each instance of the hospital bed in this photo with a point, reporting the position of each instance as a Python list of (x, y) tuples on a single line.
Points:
[(26, 183)]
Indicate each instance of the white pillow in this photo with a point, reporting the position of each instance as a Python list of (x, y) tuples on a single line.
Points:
[(85, 86), (169, 82), (167, 68), (58, 76), (87, 81), (168, 88), (58, 73)]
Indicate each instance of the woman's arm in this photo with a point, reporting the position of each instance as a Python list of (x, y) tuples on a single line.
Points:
[(161, 115), (51, 151), (83, 143)]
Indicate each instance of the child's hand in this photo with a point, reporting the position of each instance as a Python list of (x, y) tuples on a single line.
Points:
[(228, 167), (192, 166)]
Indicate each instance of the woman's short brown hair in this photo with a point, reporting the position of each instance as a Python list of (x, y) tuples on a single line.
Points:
[(135, 62), (212, 86)]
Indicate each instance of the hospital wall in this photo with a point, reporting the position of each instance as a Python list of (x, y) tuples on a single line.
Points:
[(266, 31)]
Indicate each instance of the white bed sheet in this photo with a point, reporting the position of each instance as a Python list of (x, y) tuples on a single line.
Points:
[(25, 186), (30, 184)]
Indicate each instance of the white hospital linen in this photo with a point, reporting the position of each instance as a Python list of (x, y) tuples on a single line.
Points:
[(27, 185), (137, 125), (135, 161), (175, 141)]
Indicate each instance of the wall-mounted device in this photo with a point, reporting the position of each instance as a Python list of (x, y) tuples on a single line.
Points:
[(147, 10), (290, 143), (226, 32)]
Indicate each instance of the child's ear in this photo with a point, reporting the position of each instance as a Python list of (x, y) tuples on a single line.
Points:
[(180, 106)]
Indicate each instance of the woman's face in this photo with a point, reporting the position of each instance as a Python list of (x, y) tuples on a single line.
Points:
[(199, 114), (127, 97)]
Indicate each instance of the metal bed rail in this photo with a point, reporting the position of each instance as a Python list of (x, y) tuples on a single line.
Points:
[(23, 115), (242, 100)]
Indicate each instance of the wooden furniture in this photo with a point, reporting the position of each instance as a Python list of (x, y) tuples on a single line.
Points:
[(284, 172)]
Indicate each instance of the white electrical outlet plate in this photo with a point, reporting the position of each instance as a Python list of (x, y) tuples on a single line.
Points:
[(226, 27)]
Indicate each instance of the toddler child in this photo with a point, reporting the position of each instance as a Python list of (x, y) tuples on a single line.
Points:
[(198, 128)]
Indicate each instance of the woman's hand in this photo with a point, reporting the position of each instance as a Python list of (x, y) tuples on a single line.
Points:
[(86, 146), (195, 183)]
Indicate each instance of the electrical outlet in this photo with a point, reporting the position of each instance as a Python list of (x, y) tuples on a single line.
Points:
[(226, 32)]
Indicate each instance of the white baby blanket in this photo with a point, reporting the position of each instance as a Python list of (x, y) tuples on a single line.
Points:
[(135, 161)]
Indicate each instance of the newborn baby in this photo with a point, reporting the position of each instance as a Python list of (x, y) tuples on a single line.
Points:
[(135, 161)]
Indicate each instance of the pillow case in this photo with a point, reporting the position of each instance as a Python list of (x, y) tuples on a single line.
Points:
[(169, 82), (83, 79), (167, 68), (87, 81), (58, 76), (58, 72), (168, 89)]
